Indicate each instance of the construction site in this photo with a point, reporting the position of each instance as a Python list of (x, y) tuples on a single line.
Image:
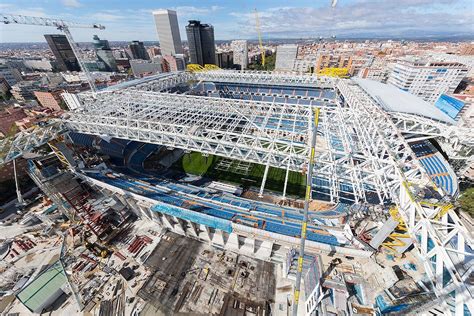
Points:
[(214, 192)]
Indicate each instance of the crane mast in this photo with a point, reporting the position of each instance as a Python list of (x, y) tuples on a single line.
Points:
[(262, 51), (62, 26)]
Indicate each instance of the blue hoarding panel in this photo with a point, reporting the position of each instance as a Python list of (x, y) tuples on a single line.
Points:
[(195, 217), (449, 105)]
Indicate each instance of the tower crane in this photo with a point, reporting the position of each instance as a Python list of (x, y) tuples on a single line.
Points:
[(60, 25), (262, 51)]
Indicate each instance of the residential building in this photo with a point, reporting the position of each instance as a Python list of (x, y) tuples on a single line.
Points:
[(285, 57), (224, 59), (427, 79), (138, 51), (38, 64), (358, 63), (153, 51), (11, 75), (49, 99), (62, 51), (123, 64), (333, 61), (467, 49), (4, 88), (23, 90), (104, 53), (467, 60), (240, 50), (174, 63), (305, 64), (168, 32), (378, 70), (202, 49), (8, 117), (141, 68)]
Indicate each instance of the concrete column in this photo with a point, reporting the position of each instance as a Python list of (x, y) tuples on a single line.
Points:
[(167, 222), (156, 217), (204, 233), (135, 207), (218, 238), (265, 174), (263, 249), (146, 210), (210, 234), (194, 229), (233, 241), (249, 246), (179, 227)]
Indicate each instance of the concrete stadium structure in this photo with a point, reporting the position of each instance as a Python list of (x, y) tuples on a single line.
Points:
[(371, 149)]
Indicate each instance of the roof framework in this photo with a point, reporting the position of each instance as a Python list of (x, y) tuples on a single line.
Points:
[(360, 144), (440, 237), (267, 133)]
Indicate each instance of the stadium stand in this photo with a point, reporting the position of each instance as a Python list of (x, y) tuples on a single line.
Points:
[(82, 139), (436, 166), (276, 219)]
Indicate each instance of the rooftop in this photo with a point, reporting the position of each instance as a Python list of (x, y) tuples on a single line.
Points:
[(392, 99), (35, 294)]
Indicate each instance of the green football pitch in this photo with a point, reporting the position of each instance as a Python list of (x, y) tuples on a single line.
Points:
[(195, 163)]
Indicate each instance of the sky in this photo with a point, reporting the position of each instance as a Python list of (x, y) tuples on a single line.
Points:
[(127, 20)]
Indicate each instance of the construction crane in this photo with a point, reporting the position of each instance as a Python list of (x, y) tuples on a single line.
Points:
[(262, 51), (62, 26), (309, 177)]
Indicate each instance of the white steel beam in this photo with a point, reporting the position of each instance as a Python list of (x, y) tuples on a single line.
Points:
[(434, 228)]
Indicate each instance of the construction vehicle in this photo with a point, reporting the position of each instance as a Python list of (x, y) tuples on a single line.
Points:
[(97, 249), (260, 44), (62, 26)]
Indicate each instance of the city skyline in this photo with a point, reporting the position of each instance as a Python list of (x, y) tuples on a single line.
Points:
[(354, 18)]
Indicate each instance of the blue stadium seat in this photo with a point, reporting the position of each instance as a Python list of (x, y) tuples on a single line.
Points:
[(82, 139)]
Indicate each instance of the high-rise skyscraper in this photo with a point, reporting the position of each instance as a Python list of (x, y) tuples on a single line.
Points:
[(241, 55), (168, 32), (202, 49), (104, 53), (62, 50), (138, 51)]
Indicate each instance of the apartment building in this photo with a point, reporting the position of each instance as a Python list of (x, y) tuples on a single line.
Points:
[(427, 79)]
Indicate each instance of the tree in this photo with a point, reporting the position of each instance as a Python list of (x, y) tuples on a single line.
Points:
[(466, 201), (269, 64)]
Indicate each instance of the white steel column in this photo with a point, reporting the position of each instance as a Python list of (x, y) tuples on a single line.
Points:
[(265, 174), (285, 184)]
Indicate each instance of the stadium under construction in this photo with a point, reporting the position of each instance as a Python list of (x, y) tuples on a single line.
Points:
[(221, 156)]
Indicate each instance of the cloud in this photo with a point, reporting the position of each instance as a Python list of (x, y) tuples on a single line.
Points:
[(106, 17), (364, 17), (71, 3), (5, 6), (190, 11), (37, 11)]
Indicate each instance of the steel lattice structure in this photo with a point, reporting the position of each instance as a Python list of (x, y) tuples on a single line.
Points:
[(273, 134), (362, 150), (28, 140), (440, 237)]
